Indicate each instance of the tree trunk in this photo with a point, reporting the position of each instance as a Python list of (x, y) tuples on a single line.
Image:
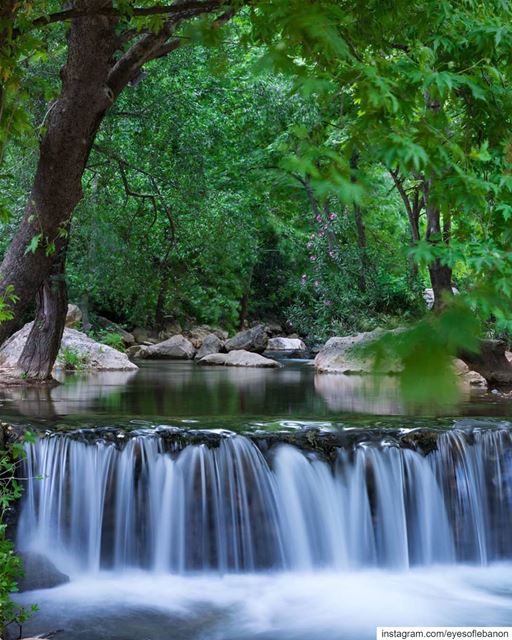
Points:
[(43, 343), (360, 228), (72, 123), (162, 294), (244, 311), (84, 308), (490, 362), (440, 274), (361, 244)]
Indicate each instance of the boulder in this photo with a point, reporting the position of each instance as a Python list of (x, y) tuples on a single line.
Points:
[(238, 358), (145, 336), (92, 354), (339, 355), (471, 377), (127, 338), (133, 352), (39, 573), (73, 316), (210, 345), (175, 348), (286, 344), (275, 329), (254, 339), (171, 329), (198, 334)]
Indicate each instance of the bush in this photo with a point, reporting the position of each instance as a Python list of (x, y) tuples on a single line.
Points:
[(111, 339), (10, 565), (71, 359)]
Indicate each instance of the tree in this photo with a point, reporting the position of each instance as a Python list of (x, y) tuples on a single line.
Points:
[(105, 53)]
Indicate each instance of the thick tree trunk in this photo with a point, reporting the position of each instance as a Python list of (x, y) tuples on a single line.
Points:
[(440, 274), (43, 343), (72, 123), (490, 362)]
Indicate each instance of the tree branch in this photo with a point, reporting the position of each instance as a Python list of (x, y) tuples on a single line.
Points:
[(178, 11), (153, 46)]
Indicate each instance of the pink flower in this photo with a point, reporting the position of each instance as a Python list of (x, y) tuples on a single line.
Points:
[(318, 218), (309, 245), (312, 258), (332, 216), (332, 253), (328, 303)]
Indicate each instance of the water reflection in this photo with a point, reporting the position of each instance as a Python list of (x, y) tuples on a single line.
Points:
[(183, 390)]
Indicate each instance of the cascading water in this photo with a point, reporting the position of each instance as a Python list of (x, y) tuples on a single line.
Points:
[(232, 508)]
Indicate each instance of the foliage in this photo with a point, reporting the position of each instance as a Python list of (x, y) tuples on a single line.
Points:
[(110, 338), (71, 359), (269, 169), (10, 565)]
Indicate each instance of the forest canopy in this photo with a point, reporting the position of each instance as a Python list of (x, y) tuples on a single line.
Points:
[(319, 164)]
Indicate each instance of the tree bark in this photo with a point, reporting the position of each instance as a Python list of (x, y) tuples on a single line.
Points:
[(72, 124), (43, 342), (244, 311), (360, 228), (440, 274), (91, 81)]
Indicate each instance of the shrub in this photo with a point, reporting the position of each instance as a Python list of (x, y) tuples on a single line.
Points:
[(10, 564)]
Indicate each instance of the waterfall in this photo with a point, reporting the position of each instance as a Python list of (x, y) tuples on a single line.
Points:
[(238, 507)]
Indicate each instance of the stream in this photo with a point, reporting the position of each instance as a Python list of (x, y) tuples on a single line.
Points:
[(221, 504)]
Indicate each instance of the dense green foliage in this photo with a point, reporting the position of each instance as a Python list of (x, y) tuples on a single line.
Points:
[(11, 566), (259, 171)]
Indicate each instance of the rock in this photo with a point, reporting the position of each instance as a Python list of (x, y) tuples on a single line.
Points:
[(286, 344), (254, 339), (140, 334), (490, 361), (171, 329), (275, 329), (39, 573), (210, 345), (133, 352), (146, 336), (92, 354), (471, 377), (198, 334), (127, 338), (238, 358), (175, 348), (74, 315), (338, 356)]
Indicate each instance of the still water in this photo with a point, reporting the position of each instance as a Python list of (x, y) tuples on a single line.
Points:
[(222, 396)]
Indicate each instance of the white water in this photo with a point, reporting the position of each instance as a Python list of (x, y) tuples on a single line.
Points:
[(227, 543), (283, 606), (230, 508)]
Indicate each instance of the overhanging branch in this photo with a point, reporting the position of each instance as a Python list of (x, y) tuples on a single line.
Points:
[(177, 11)]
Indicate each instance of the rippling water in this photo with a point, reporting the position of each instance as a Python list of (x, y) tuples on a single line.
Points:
[(289, 606)]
